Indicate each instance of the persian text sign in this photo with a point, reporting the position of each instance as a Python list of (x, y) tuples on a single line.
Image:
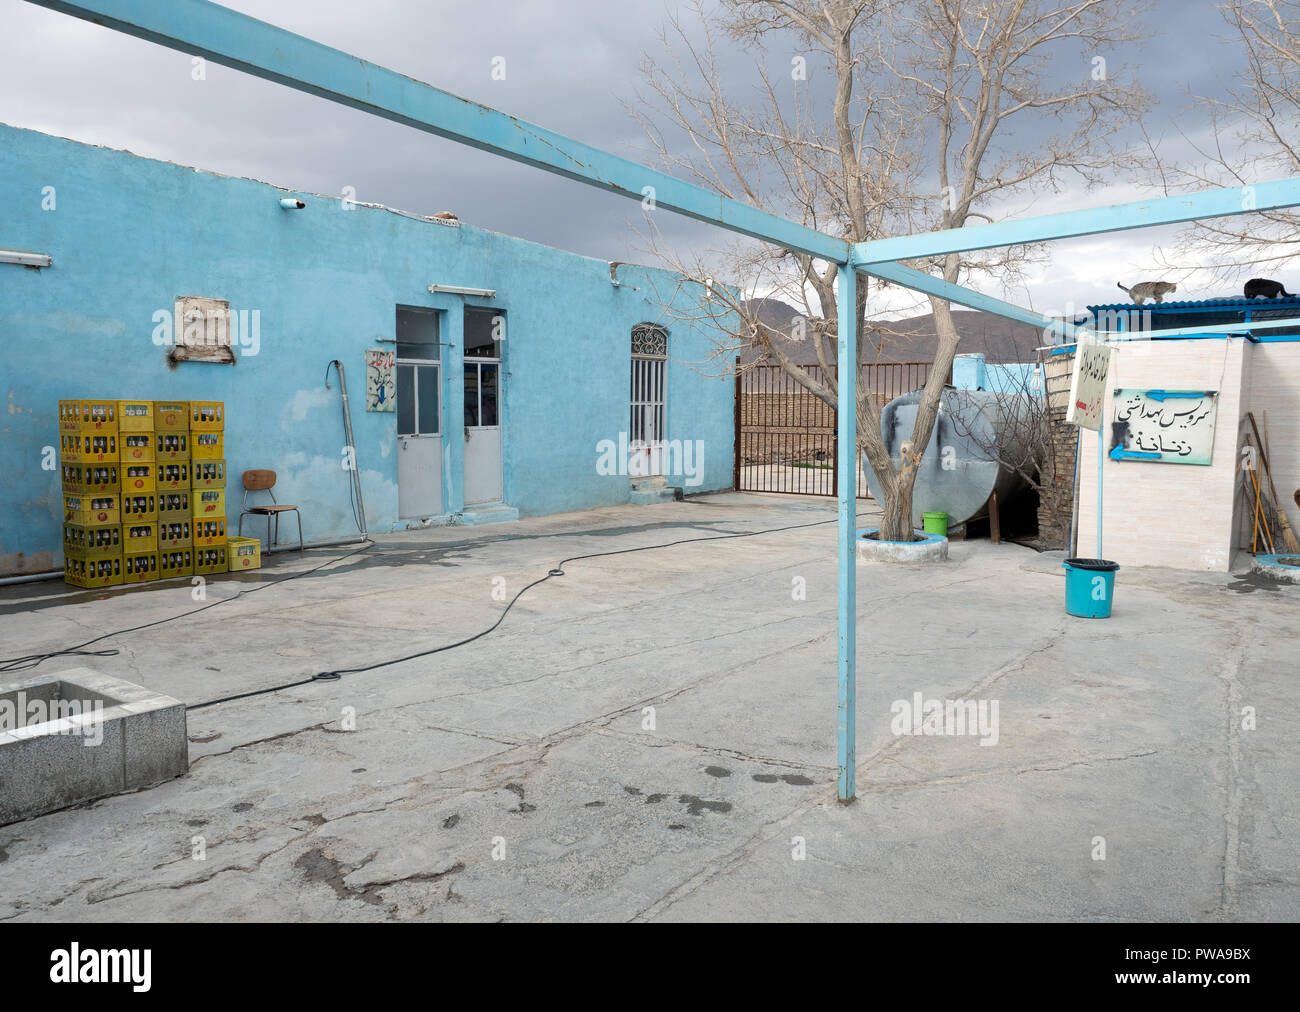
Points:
[(1088, 385), (1165, 426), (381, 380)]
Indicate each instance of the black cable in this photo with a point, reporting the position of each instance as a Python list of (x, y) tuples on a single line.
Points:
[(32, 660), (333, 676)]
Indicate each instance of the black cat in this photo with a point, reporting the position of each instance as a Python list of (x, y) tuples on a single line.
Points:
[(1262, 288)]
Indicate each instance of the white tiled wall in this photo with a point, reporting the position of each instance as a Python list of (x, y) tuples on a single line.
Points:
[(1177, 515)]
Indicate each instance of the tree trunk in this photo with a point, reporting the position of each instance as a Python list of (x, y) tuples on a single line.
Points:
[(895, 482), (896, 525), (898, 507)]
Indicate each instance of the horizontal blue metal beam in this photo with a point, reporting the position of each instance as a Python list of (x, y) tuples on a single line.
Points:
[(1069, 224), (921, 282), (236, 40)]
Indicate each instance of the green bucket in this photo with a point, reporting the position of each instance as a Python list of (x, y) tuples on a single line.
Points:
[(935, 523)]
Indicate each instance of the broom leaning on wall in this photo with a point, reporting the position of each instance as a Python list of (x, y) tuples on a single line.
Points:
[(1289, 538)]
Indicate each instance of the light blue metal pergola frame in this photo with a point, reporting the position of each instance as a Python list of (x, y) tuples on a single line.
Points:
[(231, 39)]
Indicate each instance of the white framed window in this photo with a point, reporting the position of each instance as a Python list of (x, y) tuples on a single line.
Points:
[(419, 391), (418, 398), (484, 330)]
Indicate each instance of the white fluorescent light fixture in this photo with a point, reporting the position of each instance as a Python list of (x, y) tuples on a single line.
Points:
[(25, 259), (481, 293)]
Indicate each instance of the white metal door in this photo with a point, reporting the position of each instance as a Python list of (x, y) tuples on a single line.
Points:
[(483, 457), (419, 442)]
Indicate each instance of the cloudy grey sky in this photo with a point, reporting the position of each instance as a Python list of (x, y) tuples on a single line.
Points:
[(570, 66)]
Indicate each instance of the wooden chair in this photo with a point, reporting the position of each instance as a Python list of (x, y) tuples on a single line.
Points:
[(259, 480)]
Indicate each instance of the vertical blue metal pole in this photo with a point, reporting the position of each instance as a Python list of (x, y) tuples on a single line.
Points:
[(1101, 459), (847, 420)]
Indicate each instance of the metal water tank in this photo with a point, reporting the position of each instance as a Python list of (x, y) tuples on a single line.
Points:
[(975, 434)]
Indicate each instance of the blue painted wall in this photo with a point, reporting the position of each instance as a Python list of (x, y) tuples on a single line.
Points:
[(129, 235), (972, 372)]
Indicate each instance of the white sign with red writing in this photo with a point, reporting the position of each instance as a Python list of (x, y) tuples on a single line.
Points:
[(1088, 386), (381, 380)]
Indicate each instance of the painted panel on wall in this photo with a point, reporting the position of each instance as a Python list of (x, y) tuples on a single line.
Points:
[(1165, 426), (381, 380)]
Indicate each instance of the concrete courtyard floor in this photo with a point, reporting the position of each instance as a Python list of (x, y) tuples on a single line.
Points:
[(521, 777)]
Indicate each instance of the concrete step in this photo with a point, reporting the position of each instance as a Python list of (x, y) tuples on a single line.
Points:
[(487, 513), (646, 495)]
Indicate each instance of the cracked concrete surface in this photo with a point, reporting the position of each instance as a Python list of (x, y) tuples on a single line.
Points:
[(652, 737)]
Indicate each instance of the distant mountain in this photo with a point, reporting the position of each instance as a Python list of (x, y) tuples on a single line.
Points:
[(911, 340)]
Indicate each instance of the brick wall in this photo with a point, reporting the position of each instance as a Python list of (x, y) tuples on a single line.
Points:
[(1056, 498)]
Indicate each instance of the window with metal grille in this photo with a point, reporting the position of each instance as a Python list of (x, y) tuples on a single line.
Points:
[(647, 431), (650, 341)]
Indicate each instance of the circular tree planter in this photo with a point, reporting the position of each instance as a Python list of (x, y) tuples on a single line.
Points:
[(1283, 568), (924, 548)]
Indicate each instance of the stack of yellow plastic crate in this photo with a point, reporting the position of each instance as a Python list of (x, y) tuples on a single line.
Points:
[(172, 447), (144, 490), (138, 454), (92, 492), (207, 431)]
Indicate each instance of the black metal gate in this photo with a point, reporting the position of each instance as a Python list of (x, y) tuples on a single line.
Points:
[(785, 434)]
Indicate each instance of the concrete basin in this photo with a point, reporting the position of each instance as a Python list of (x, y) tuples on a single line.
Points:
[(76, 735)]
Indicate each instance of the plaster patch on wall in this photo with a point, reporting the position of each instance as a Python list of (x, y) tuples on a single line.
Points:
[(24, 564), (304, 402), (310, 481), (380, 491), (204, 331), (78, 324)]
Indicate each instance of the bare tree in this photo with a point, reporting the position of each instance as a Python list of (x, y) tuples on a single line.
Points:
[(898, 118), (1254, 136)]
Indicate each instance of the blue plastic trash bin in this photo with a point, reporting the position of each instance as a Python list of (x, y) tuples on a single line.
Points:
[(1089, 587)]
